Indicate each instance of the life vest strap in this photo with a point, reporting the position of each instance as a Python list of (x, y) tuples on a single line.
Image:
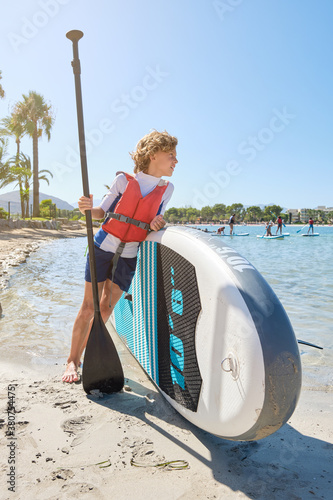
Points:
[(128, 220)]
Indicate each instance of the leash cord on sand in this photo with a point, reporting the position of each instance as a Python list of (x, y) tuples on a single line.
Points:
[(100, 464), (172, 464)]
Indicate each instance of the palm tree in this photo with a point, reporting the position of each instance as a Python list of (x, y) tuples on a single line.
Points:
[(18, 169), (10, 127), (2, 92), (4, 166), (36, 117)]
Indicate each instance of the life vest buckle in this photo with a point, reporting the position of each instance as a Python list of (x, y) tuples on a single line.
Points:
[(124, 218)]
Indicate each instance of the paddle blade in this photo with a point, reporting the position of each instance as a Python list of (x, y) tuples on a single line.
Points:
[(102, 369)]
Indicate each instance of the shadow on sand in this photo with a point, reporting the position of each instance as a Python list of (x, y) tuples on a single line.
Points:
[(284, 465)]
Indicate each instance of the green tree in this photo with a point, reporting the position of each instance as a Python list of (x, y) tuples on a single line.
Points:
[(3, 213), (235, 208), (219, 210), (171, 215), (192, 214), (254, 213), (330, 216), (272, 211), (36, 118), (47, 208), (207, 213)]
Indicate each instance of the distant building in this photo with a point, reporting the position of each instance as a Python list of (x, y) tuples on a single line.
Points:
[(303, 214), (295, 216)]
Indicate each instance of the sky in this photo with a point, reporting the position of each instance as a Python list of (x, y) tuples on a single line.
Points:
[(245, 86)]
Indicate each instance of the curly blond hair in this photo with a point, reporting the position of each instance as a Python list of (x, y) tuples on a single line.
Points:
[(149, 145)]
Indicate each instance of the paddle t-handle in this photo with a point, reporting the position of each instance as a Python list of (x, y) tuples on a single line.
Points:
[(74, 35)]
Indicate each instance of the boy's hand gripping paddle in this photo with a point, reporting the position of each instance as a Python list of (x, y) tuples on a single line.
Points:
[(101, 367)]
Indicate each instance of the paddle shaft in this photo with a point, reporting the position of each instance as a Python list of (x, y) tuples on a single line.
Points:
[(75, 36), (301, 229), (309, 344), (276, 218)]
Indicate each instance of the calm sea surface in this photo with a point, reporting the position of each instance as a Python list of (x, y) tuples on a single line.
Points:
[(43, 297)]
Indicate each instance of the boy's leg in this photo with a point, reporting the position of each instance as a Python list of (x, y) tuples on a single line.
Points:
[(116, 294), (84, 321), (81, 329)]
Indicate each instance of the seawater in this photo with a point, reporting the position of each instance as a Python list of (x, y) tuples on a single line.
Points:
[(300, 271), (44, 295), (41, 302)]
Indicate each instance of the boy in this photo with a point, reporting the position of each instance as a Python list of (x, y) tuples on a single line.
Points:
[(142, 197)]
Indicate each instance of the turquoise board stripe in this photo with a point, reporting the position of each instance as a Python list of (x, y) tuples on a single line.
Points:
[(136, 321)]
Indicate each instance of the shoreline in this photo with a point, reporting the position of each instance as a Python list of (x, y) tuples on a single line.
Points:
[(62, 434), (18, 243)]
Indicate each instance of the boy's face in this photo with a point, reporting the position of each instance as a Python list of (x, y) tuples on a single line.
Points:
[(163, 164)]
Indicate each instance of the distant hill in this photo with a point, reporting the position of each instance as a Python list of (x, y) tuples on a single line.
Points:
[(15, 204)]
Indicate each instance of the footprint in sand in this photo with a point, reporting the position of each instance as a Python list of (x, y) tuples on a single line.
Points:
[(76, 425)]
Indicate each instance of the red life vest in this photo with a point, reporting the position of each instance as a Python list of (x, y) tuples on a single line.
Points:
[(132, 204)]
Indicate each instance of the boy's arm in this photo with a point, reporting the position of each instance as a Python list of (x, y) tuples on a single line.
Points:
[(158, 222)]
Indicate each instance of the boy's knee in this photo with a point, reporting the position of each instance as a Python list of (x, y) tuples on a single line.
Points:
[(87, 310)]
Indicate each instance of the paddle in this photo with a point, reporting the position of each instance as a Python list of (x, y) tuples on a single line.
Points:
[(276, 218), (264, 232), (301, 229), (101, 367), (308, 343)]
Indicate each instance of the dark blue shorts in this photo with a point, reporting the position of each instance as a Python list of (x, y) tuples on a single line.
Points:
[(124, 272)]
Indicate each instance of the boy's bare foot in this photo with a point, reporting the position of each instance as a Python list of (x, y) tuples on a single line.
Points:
[(70, 374)]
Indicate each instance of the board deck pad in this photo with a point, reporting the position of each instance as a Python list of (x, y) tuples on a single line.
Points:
[(178, 307)]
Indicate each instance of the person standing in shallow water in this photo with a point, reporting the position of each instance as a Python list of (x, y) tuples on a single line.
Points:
[(231, 222), (155, 157)]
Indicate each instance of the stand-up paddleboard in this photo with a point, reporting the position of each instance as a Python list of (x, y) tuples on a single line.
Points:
[(313, 234), (277, 237), (212, 335), (234, 234)]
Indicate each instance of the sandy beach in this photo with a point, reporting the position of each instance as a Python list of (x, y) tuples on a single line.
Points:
[(53, 436)]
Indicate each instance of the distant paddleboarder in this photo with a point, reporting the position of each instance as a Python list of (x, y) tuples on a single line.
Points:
[(279, 223), (269, 226), (134, 205), (221, 230), (310, 225), (231, 222)]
